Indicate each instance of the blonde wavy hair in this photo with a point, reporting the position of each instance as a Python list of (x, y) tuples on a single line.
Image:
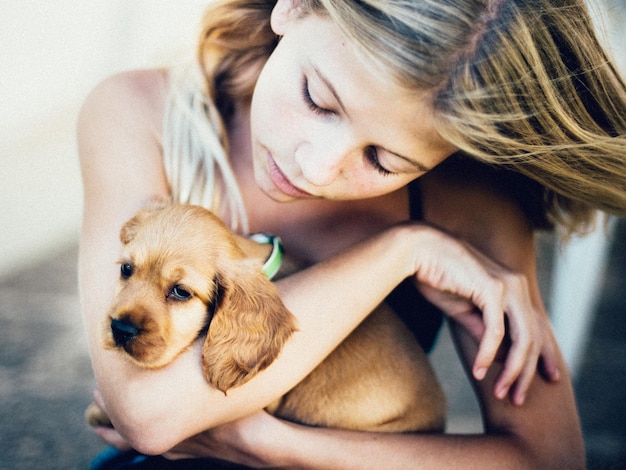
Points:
[(195, 150), (517, 84), (235, 42)]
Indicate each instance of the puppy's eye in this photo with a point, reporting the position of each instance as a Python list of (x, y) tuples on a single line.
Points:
[(180, 293), (126, 270)]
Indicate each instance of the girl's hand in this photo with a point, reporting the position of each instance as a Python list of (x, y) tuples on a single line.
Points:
[(494, 305), (243, 442), (109, 434), (239, 441)]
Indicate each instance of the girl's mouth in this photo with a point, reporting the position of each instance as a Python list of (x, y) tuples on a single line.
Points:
[(282, 183)]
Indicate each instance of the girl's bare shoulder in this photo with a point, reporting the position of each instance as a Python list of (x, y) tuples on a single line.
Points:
[(119, 140), (137, 96)]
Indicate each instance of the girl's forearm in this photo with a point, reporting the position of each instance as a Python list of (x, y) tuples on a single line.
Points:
[(328, 300), (544, 433), (337, 294), (318, 448)]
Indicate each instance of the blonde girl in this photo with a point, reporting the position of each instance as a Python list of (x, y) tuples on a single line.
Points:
[(484, 119)]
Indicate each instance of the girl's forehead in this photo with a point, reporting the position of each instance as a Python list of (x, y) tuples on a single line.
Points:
[(342, 58)]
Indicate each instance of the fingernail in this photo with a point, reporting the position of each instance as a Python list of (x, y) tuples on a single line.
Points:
[(501, 392), (480, 373)]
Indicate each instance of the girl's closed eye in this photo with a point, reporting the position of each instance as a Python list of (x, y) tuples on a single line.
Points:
[(308, 100), (371, 153)]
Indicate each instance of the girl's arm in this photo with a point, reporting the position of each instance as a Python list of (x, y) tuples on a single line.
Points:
[(119, 146), (543, 433), (476, 207)]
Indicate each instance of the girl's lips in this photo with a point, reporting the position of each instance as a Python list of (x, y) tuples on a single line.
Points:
[(282, 183)]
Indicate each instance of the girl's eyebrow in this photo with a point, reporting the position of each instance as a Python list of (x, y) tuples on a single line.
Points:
[(331, 88), (419, 166)]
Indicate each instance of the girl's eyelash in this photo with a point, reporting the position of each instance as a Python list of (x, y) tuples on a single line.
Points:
[(309, 101), (371, 153), (372, 156)]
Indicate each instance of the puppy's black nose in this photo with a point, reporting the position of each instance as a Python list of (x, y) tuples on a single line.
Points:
[(123, 331)]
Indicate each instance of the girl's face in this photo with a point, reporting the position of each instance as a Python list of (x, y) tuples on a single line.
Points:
[(328, 123)]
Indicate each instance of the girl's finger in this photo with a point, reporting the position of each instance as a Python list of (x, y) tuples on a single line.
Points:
[(523, 331), (97, 397), (549, 356), (175, 455), (112, 437), (523, 383), (518, 361), (493, 318)]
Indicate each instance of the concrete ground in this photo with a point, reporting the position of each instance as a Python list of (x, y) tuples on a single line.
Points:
[(45, 374), (46, 379)]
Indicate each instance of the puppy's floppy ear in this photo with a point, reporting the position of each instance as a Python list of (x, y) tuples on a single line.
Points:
[(249, 328), (130, 228)]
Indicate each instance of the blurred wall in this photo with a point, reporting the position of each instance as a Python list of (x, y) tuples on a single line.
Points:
[(52, 54)]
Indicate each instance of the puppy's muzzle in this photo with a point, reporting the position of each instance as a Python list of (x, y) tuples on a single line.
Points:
[(123, 332)]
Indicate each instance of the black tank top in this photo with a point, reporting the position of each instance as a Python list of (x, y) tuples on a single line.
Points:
[(420, 316)]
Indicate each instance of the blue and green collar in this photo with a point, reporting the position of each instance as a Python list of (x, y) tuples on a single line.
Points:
[(275, 259)]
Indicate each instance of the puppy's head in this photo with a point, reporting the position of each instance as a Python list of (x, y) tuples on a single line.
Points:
[(182, 272)]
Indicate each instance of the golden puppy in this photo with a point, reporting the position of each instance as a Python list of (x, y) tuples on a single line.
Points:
[(184, 275)]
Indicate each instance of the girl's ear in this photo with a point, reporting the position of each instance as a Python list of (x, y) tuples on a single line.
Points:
[(283, 12)]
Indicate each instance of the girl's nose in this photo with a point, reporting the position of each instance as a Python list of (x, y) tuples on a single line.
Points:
[(321, 164)]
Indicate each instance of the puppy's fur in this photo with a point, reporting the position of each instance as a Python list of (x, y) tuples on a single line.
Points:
[(183, 273)]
